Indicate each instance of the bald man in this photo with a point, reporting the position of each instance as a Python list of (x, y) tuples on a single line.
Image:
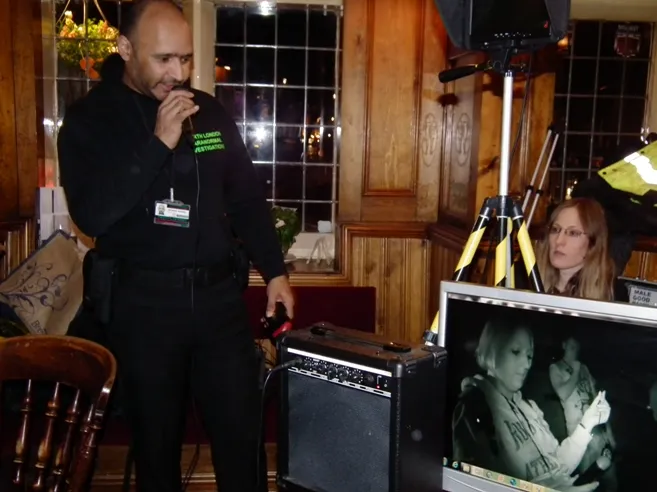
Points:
[(161, 202)]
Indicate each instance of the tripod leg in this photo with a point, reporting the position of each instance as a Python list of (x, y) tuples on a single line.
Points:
[(463, 266), (526, 250), (503, 245), (511, 271)]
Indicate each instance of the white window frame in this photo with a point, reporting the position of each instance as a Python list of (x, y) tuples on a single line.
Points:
[(201, 15)]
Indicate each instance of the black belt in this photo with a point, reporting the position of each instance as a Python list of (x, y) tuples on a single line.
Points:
[(202, 276)]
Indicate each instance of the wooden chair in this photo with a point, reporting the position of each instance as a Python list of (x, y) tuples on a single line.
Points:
[(89, 370)]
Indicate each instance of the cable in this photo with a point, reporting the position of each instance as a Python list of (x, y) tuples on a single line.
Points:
[(279, 368), (189, 137)]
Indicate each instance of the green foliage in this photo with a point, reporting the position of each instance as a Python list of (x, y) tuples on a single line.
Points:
[(287, 224), (73, 45)]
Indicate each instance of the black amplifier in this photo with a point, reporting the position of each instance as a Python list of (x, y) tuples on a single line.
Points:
[(360, 413)]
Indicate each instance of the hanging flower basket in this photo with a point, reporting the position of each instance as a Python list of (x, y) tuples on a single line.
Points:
[(85, 52)]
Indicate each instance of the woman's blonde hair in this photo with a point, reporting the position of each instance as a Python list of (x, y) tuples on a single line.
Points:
[(495, 337), (596, 278)]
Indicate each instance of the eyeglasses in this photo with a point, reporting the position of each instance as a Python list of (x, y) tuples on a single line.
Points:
[(574, 233)]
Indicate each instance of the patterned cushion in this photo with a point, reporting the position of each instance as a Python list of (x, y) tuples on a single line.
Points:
[(45, 291)]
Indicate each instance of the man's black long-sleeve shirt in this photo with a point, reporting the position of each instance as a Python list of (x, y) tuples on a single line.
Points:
[(113, 170)]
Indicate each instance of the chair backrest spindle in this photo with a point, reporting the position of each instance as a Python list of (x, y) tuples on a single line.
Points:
[(68, 364)]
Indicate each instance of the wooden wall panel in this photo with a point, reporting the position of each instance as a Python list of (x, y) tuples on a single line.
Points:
[(391, 118), (398, 268), (391, 154), (19, 142), (642, 264), (461, 146), (8, 168), (391, 169), (27, 60)]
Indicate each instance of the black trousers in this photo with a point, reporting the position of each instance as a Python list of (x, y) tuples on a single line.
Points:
[(169, 340)]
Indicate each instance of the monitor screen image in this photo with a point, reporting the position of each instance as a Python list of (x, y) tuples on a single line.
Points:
[(547, 393)]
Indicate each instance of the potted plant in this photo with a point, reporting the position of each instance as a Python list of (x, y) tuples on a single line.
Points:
[(86, 52), (288, 226)]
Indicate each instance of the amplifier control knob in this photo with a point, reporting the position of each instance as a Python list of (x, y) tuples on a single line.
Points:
[(343, 374)]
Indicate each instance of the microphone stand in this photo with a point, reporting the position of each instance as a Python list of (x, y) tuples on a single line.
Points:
[(506, 210)]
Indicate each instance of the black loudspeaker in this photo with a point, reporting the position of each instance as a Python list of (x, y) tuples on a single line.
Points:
[(489, 25), (360, 413)]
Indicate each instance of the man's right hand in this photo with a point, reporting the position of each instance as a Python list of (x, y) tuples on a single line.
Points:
[(177, 107)]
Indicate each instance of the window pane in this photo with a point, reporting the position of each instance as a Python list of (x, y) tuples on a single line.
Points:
[(610, 77), (289, 144), (265, 174), (608, 37), (231, 60), (291, 27), (289, 182), (232, 98), (323, 29), (320, 145), (259, 142), (586, 38), (291, 69), (260, 104), (319, 183), (607, 146), (260, 26), (321, 107), (582, 80), (559, 115), (633, 113), (260, 65), (284, 86), (321, 68), (290, 106), (636, 78), (580, 114), (230, 25), (607, 115), (68, 91), (578, 151), (562, 76)]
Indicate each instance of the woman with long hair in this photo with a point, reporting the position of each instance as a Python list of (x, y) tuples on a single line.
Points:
[(497, 428), (573, 259)]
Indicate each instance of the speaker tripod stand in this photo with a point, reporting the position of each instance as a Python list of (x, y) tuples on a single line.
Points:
[(507, 212)]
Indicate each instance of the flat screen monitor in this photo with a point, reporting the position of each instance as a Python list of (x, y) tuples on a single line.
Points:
[(526, 372)]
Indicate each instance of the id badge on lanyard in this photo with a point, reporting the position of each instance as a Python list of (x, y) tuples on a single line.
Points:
[(172, 212)]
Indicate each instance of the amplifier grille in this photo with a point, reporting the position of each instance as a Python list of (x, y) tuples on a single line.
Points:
[(339, 437)]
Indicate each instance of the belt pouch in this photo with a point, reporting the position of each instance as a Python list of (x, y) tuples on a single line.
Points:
[(99, 281)]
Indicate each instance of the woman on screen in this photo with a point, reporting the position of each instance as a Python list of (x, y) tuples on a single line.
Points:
[(495, 428), (573, 259), (574, 385)]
